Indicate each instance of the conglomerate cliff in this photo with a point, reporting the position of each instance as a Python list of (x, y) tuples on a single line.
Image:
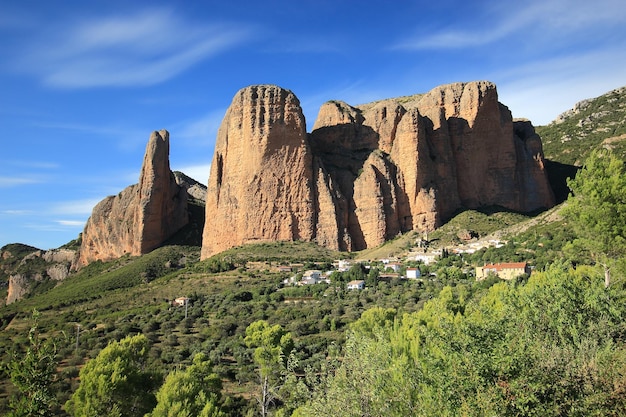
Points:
[(365, 174), (142, 216)]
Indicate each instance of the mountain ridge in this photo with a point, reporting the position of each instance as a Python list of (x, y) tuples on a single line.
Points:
[(590, 124)]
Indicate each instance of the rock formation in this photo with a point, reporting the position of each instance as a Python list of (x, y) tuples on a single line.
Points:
[(194, 189), (19, 285), (36, 266), (261, 180), (142, 216), (368, 173)]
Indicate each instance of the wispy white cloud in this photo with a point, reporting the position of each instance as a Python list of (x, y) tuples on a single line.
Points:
[(204, 129), (51, 227), (74, 207), (79, 127), (543, 89), (17, 212), (128, 138), (30, 164), (6, 182), (36, 164), (144, 48), (71, 223), (544, 18)]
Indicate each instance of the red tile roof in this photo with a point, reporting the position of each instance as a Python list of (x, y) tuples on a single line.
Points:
[(509, 265)]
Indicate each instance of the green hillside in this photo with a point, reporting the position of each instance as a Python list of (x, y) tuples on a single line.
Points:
[(595, 123), (549, 343)]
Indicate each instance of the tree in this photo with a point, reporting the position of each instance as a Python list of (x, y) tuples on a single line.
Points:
[(272, 345), (115, 383), (597, 209), (373, 320), (33, 375), (190, 393), (551, 347)]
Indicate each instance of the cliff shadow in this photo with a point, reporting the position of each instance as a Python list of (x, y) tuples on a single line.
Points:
[(558, 174), (342, 150), (191, 233)]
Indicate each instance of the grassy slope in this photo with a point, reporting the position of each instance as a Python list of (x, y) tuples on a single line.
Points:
[(482, 222), (598, 122)]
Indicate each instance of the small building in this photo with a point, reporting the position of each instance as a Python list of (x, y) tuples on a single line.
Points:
[(427, 258), (311, 277), (180, 301), (284, 268), (296, 267), (389, 277), (312, 273), (356, 285), (413, 273), (343, 265), (395, 266), (310, 280), (508, 270)]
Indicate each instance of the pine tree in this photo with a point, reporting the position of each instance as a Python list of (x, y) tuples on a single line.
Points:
[(33, 375), (597, 209)]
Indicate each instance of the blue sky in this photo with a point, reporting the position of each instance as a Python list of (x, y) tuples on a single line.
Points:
[(83, 83)]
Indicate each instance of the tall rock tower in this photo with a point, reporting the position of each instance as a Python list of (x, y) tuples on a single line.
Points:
[(260, 185), (142, 216)]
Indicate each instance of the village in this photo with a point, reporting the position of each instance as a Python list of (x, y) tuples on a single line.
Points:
[(410, 267)]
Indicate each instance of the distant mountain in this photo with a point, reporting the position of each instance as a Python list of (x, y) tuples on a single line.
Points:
[(590, 124)]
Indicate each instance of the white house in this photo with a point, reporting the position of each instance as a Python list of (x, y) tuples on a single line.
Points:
[(311, 277), (312, 273), (344, 265), (427, 258), (413, 273), (356, 285), (395, 266), (180, 301)]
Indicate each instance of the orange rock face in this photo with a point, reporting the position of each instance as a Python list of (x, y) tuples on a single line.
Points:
[(142, 216), (261, 181), (368, 173)]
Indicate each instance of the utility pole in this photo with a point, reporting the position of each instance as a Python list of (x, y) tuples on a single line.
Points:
[(77, 334)]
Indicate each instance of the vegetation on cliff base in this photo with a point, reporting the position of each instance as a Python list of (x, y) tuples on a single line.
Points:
[(554, 344), (552, 347), (597, 210)]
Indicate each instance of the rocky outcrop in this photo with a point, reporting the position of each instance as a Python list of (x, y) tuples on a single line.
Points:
[(261, 181), (36, 266), (19, 286), (366, 173), (142, 216), (194, 189)]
